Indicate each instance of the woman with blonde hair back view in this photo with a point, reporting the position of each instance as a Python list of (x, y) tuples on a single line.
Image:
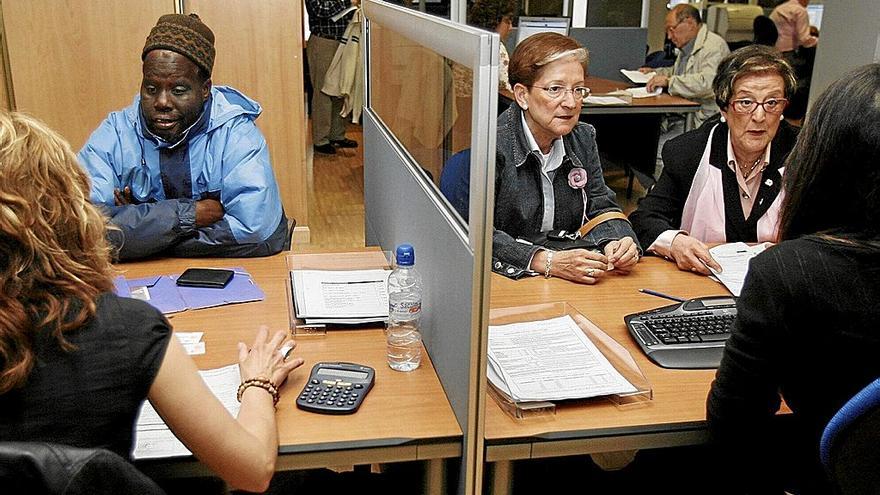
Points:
[(76, 361)]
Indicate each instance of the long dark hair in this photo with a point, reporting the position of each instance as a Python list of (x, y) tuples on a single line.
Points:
[(832, 176)]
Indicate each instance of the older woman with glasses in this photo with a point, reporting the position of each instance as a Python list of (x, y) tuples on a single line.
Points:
[(722, 182), (547, 172)]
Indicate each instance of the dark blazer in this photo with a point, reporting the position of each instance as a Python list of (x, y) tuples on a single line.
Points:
[(519, 203), (661, 209)]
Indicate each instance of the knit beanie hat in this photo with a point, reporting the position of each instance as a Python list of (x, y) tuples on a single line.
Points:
[(186, 35)]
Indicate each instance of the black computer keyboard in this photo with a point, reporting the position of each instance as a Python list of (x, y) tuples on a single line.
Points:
[(690, 334)]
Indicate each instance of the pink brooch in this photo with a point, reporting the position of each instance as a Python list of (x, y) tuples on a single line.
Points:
[(577, 178)]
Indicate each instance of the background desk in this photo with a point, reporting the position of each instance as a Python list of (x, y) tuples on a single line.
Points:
[(405, 417), (629, 134), (676, 416)]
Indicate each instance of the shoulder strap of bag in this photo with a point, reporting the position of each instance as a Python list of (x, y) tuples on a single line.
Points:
[(598, 219)]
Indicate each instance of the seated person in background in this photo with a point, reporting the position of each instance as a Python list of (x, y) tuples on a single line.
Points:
[(77, 360), (699, 53), (765, 31), (722, 182), (184, 171), (547, 172), (806, 327)]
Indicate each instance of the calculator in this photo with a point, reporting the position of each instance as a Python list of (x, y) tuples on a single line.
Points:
[(336, 388)]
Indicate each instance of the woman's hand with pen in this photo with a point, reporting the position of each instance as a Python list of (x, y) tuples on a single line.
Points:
[(692, 255)]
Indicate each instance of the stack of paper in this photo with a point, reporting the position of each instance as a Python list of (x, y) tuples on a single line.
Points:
[(734, 260), (550, 360), (340, 296), (153, 439)]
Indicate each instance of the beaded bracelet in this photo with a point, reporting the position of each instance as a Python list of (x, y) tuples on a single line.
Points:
[(547, 263), (263, 383)]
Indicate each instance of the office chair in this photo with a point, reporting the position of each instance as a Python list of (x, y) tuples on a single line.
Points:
[(848, 448), (42, 467), (455, 181)]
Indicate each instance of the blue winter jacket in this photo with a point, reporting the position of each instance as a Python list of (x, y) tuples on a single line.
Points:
[(227, 160)]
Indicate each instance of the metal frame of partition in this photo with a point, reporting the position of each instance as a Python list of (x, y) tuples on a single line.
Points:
[(387, 163)]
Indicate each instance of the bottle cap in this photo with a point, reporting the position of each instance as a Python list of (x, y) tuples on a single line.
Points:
[(406, 255)]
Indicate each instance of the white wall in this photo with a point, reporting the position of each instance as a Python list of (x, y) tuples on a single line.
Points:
[(849, 38)]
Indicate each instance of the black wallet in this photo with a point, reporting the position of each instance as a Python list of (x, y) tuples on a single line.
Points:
[(212, 278)]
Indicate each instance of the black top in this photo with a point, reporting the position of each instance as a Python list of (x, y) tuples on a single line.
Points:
[(661, 209), (90, 397), (807, 327)]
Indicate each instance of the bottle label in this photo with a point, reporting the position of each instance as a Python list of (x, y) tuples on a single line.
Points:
[(409, 308)]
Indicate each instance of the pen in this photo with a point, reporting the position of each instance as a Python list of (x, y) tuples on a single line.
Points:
[(660, 294)]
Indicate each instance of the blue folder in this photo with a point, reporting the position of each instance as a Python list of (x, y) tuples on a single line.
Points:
[(162, 292)]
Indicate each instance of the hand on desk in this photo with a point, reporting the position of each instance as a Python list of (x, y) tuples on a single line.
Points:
[(658, 81), (692, 255), (622, 254), (578, 265), (263, 359)]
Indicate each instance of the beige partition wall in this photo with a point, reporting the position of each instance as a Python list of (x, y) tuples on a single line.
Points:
[(72, 62), (259, 51)]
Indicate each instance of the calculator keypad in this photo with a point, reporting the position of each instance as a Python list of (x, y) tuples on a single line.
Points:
[(340, 397)]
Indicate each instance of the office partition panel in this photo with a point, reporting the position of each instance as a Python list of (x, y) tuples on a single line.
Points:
[(431, 93)]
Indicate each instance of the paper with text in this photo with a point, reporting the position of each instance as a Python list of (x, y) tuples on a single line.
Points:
[(550, 360), (734, 260), (637, 77), (341, 294), (644, 93), (153, 439), (605, 100)]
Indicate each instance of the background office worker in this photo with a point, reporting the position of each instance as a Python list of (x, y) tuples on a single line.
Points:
[(807, 318), (183, 170), (76, 361), (699, 53), (722, 182), (547, 172), (328, 127)]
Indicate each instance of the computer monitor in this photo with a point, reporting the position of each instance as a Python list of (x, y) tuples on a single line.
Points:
[(815, 14), (534, 25)]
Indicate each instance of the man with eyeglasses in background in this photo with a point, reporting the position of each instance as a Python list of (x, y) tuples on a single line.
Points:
[(699, 53)]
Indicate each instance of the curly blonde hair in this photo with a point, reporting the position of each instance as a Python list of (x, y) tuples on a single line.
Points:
[(54, 257)]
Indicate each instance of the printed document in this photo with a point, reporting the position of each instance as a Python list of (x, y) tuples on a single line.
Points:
[(637, 77), (734, 260), (153, 439), (550, 360), (605, 100), (341, 296), (641, 92)]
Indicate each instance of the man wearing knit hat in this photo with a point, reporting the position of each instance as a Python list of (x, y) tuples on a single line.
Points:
[(183, 171)]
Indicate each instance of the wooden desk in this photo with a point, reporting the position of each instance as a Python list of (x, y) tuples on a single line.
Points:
[(662, 103), (405, 417), (676, 415)]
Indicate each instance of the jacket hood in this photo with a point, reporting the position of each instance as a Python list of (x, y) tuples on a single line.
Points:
[(226, 103)]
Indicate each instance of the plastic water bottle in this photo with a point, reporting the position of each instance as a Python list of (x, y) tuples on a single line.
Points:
[(404, 312)]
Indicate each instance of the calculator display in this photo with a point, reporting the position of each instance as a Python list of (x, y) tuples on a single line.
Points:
[(343, 373)]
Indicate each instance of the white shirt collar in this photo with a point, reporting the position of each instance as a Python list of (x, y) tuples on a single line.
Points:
[(550, 161)]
